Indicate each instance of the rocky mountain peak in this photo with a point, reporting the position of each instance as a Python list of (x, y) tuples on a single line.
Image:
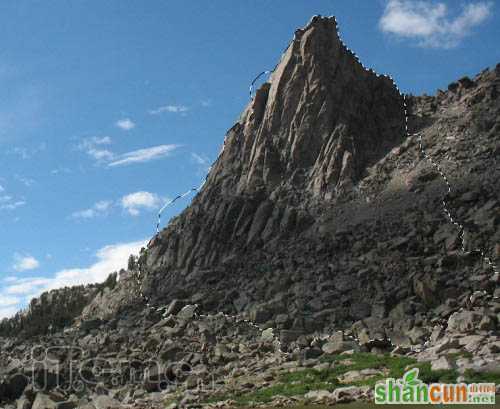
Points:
[(304, 141), (322, 230), (319, 122), (321, 214)]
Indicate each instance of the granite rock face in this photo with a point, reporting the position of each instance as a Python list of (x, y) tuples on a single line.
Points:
[(309, 134), (321, 212), (321, 222)]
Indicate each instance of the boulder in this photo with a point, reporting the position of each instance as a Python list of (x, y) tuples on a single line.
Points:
[(350, 394), (105, 402), (175, 307), (43, 401), (464, 321), (442, 363), (337, 344), (187, 312), (320, 396)]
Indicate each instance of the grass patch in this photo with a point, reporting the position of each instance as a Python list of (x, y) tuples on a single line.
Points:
[(477, 377), (427, 375), (363, 360), (462, 354), (303, 381), (290, 384), (300, 382)]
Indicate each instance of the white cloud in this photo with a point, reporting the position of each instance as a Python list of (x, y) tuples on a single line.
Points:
[(200, 160), (7, 301), (144, 155), (25, 286), (25, 263), (430, 22), (12, 205), (7, 202), (8, 312), (98, 209), (126, 124), (203, 163), (27, 152), (94, 147), (2, 189), (19, 291), (206, 103), (134, 202), (176, 109)]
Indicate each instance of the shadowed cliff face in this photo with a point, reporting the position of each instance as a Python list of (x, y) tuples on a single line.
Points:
[(320, 217), (322, 116), (310, 133), (321, 214)]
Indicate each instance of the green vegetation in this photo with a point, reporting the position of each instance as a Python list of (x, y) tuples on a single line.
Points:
[(462, 354), (477, 377), (303, 381), (362, 360), (427, 375)]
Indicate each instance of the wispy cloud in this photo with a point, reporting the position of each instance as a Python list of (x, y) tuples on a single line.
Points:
[(28, 182), (199, 159), (17, 292), (431, 23), (95, 147), (6, 312), (176, 109), (8, 305), (202, 162), (206, 103), (23, 286), (26, 153), (143, 155), (6, 300), (100, 208), (134, 202), (25, 262), (125, 124), (7, 203), (60, 170)]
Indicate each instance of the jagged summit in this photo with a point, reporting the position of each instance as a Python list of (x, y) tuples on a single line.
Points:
[(320, 213), (305, 193), (320, 230), (321, 118), (309, 133)]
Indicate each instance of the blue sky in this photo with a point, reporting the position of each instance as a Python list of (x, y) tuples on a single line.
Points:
[(110, 108)]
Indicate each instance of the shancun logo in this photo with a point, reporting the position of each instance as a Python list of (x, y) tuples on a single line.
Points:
[(411, 390)]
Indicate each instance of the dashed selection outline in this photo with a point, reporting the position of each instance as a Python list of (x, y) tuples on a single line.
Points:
[(426, 156)]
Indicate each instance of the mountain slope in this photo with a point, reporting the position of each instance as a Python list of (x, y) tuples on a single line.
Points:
[(326, 223), (321, 212)]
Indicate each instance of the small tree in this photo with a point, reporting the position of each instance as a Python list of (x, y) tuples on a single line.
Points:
[(132, 263)]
